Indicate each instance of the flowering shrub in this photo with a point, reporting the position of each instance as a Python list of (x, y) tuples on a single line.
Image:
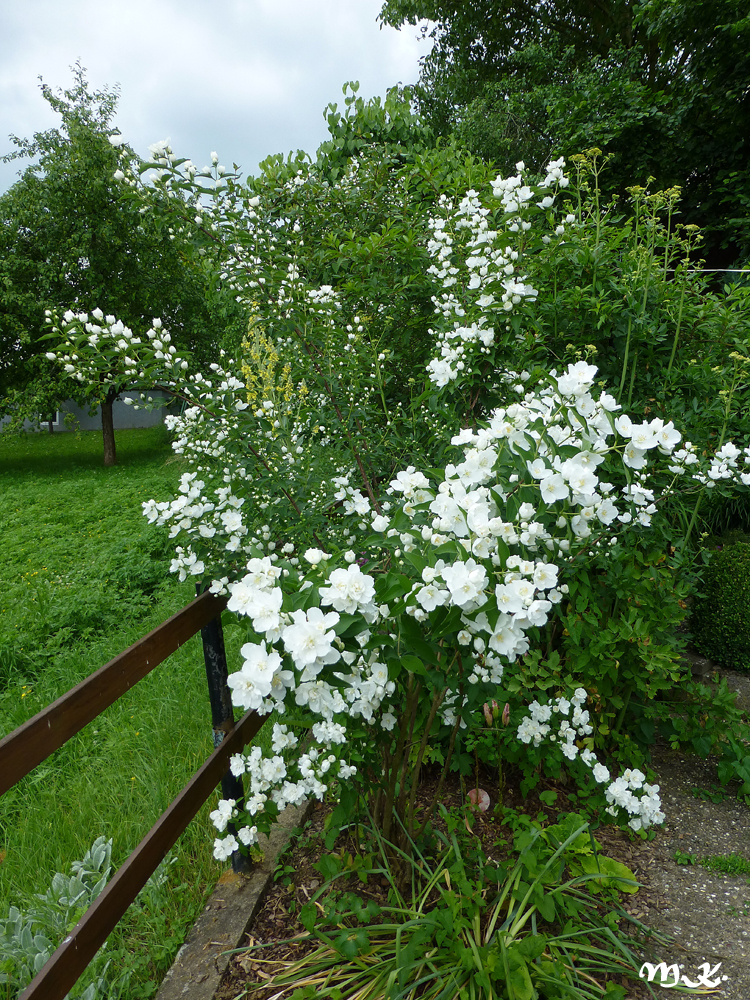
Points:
[(382, 616)]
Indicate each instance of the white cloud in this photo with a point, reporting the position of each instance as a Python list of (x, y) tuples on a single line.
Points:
[(248, 78)]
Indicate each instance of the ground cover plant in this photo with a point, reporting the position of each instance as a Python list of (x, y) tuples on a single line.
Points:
[(408, 536), (83, 578), (479, 915)]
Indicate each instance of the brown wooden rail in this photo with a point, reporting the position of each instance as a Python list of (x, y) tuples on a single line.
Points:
[(22, 750), (30, 744)]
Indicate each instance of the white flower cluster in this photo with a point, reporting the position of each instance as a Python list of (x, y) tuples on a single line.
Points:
[(644, 809), (354, 502), (535, 728), (474, 506), (284, 782), (117, 355), (309, 641), (481, 267), (215, 523), (725, 465)]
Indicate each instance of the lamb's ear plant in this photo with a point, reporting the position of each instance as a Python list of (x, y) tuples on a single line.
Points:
[(527, 926), (28, 939)]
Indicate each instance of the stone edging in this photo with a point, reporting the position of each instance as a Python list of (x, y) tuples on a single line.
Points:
[(200, 964)]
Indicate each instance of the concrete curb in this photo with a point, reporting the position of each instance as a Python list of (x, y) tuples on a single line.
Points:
[(199, 966)]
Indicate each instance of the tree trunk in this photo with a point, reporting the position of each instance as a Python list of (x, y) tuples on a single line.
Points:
[(108, 428)]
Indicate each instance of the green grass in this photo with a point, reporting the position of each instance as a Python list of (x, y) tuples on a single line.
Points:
[(83, 577)]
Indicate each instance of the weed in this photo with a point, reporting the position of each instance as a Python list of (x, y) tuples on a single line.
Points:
[(727, 864), (684, 859), (712, 794)]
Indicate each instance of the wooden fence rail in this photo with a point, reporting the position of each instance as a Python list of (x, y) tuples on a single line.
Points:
[(30, 744)]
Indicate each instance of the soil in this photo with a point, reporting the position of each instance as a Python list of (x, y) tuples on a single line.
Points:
[(705, 914)]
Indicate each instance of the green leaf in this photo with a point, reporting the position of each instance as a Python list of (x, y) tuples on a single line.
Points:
[(328, 866), (413, 664), (519, 980), (608, 866), (414, 640), (545, 903), (532, 946)]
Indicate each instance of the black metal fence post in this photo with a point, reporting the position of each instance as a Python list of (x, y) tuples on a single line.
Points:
[(222, 717)]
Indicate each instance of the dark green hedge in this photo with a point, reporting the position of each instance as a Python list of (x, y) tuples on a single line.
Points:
[(721, 615)]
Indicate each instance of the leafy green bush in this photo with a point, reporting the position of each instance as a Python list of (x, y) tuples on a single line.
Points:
[(28, 940), (721, 617)]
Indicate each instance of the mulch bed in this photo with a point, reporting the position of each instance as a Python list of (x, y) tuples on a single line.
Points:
[(298, 880)]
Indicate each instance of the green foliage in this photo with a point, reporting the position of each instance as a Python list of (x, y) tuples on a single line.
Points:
[(75, 551), (458, 923), (727, 864), (58, 595), (659, 84), (119, 969), (69, 236), (622, 292), (389, 126), (720, 618), (28, 939), (327, 394), (684, 859), (618, 634)]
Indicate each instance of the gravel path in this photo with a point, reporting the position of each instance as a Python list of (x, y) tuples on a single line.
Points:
[(704, 911), (707, 913)]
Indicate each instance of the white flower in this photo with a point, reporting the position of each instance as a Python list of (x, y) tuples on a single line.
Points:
[(314, 556), (223, 849), (248, 835), (634, 457), (260, 605), (410, 480), (282, 738), (253, 682), (222, 814), (601, 773), (237, 765), (349, 589), (466, 581), (553, 488), (545, 576), (307, 639), (431, 597)]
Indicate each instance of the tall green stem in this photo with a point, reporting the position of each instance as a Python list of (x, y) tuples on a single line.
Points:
[(625, 359), (677, 331), (632, 378)]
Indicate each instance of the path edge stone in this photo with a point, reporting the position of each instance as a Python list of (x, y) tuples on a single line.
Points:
[(200, 964)]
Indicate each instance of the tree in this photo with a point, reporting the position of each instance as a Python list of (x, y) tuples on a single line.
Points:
[(70, 237), (663, 84)]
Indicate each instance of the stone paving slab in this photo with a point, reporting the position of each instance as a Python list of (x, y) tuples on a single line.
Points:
[(200, 964)]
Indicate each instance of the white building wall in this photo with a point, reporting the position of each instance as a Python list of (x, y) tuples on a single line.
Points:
[(123, 415)]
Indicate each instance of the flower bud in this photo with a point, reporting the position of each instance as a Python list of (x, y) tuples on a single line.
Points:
[(506, 714)]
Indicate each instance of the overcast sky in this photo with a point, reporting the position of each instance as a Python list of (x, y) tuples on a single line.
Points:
[(245, 77)]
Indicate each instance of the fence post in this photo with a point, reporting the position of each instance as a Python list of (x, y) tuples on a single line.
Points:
[(222, 716)]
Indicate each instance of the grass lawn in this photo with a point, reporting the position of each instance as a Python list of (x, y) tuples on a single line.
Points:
[(83, 577)]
